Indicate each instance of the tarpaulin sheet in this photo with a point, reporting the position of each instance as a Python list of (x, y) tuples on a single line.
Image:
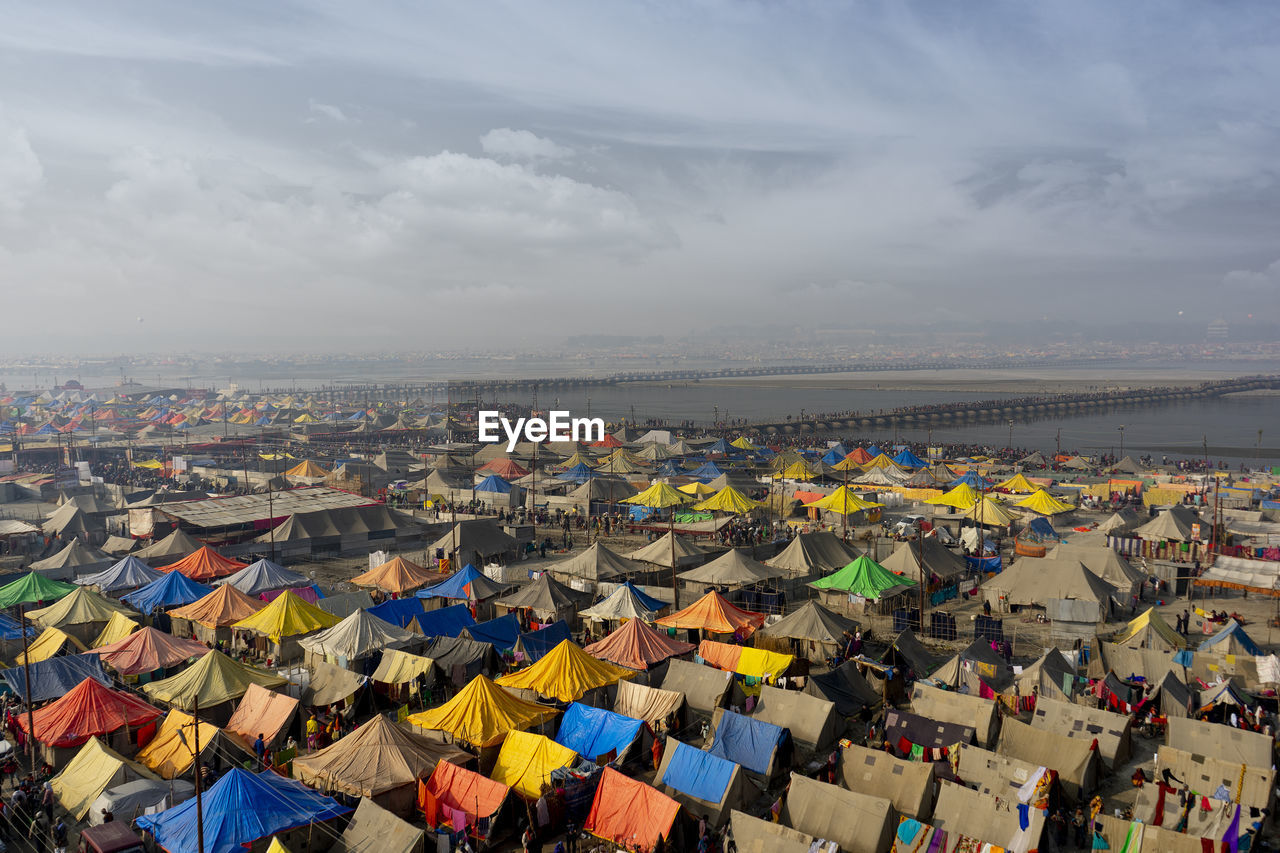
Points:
[(526, 761), (88, 709), (288, 616), (398, 611), (469, 792), (172, 590), (215, 678), (56, 676), (240, 808), (224, 606), (698, 774), (482, 714), (445, 622), (593, 732), (399, 667), (536, 644), (261, 712), (745, 741), (565, 674), (170, 752), (501, 633), (627, 811), (638, 645), (93, 769)]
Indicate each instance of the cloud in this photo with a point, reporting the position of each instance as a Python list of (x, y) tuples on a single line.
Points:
[(329, 111), (503, 142), (1263, 280)]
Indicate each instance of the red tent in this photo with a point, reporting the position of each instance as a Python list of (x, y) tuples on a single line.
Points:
[(859, 456), (204, 565), (607, 441), (147, 650), (638, 646), (454, 787), (88, 710), (504, 468), (629, 812)]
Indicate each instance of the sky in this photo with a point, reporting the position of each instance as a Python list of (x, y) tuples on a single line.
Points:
[(417, 175)]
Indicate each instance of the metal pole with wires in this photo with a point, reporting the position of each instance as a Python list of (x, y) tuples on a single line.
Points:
[(26, 677)]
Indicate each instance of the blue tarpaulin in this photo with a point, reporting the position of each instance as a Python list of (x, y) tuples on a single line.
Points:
[(648, 602), (501, 633), (398, 611), (56, 676), (172, 590), (698, 774), (493, 483), (594, 732), (748, 742), (907, 459), (984, 564), (535, 644), (707, 471), (11, 630), (445, 622), (1043, 529), (579, 473), (240, 808), (458, 584), (1232, 631)]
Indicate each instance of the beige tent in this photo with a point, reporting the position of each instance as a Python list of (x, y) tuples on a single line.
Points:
[(948, 706), (1221, 742), (813, 555), (995, 775), (907, 784), (859, 823), (659, 552), (1167, 526), (905, 560), (1036, 580), (1253, 785), (753, 835), (1074, 759), (1103, 562), (1153, 839), (704, 688), (813, 722), (596, 563), (646, 703), (732, 568), (1047, 677), (1111, 731), (964, 811), (374, 828)]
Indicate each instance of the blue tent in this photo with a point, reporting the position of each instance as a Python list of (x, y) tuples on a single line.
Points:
[(874, 451), (1042, 530), (720, 446), (648, 602), (535, 644), (1231, 631), (835, 455), (707, 471), (747, 741), (501, 633), (55, 677), (907, 459), (972, 479), (10, 630), (455, 586), (593, 732), (579, 473), (398, 611), (669, 469), (698, 774), (173, 590), (240, 808), (493, 483), (445, 622), (129, 573)]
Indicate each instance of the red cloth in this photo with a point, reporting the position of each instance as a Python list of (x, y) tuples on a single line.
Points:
[(1162, 790)]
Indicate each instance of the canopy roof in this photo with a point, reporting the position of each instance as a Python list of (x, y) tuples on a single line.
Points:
[(33, 588), (597, 563), (638, 646), (89, 709), (843, 501), (714, 613), (80, 607), (213, 679), (1018, 483), (565, 674), (1168, 525), (659, 552), (398, 576), (262, 576), (225, 606), (126, 574), (989, 512), (728, 500), (377, 757), (169, 590), (287, 616), (625, 602), (812, 622), (546, 595), (147, 650), (205, 564), (658, 496), (698, 489), (93, 769), (867, 578), (466, 584), (357, 636), (307, 468), (1044, 503), (962, 496), (813, 553), (732, 568), (482, 714)]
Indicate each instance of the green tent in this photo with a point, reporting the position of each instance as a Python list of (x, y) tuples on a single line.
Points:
[(867, 578), (31, 589)]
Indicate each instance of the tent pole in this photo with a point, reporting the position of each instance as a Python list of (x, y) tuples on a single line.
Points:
[(26, 675), (675, 592), (199, 781)]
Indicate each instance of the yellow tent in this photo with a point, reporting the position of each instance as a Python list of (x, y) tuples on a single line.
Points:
[(743, 443), (847, 464), (526, 761), (1018, 483), (565, 673), (306, 468), (757, 663), (152, 464), (90, 772), (843, 501), (213, 679), (49, 643), (797, 471), (287, 616), (1044, 503), (698, 490), (658, 496), (729, 500), (1147, 623), (305, 418), (989, 512), (577, 459), (80, 607), (620, 462), (397, 667), (482, 714), (962, 496), (119, 627), (882, 461), (276, 847), (167, 754)]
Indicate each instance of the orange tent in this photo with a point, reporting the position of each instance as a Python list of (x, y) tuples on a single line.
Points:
[(637, 646), (713, 613), (204, 565), (147, 650), (504, 468), (261, 712), (398, 576), (90, 709), (607, 441), (225, 606), (455, 787), (629, 812), (859, 456)]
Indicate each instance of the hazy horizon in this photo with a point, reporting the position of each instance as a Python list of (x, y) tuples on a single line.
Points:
[(331, 177)]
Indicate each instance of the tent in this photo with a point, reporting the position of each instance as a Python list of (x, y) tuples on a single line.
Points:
[(814, 623), (1037, 580), (1018, 484), (1001, 776), (845, 687), (1167, 526), (526, 760), (547, 598), (812, 722), (938, 560), (989, 513), (466, 584), (659, 552), (732, 568), (474, 541), (372, 827), (343, 604), (812, 554), (397, 667), (117, 628), (1149, 630), (1051, 675), (75, 556), (147, 650), (448, 621), (307, 470), (174, 546), (330, 684), (703, 687), (221, 608), (628, 812), (380, 760), (715, 614), (94, 768), (240, 808), (907, 459), (566, 673), (965, 709), (636, 645), (857, 822), (287, 616), (261, 712), (263, 575), (205, 564), (359, 635), (598, 735), (961, 811), (129, 573), (755, 835), (402, 611), (750, 742), (728, 500), (504, 468), (453, 788), (961, 497), (702, 782), (596, 563), (501, 633), (1222, 742), (51, 643), (534, 645), (170, 590), (1074, 759), (171, 752), (1231, 640), (647, 703), (398, 576), (461, 659), (33, 588), (82, 614), (625, 602), (210, 681), (874, 772), (751, 662), (867, 578), (89, 709), (1043, 503), (129, 799), (55, 677), (494, 484), (1105, 563), (482, 714)]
